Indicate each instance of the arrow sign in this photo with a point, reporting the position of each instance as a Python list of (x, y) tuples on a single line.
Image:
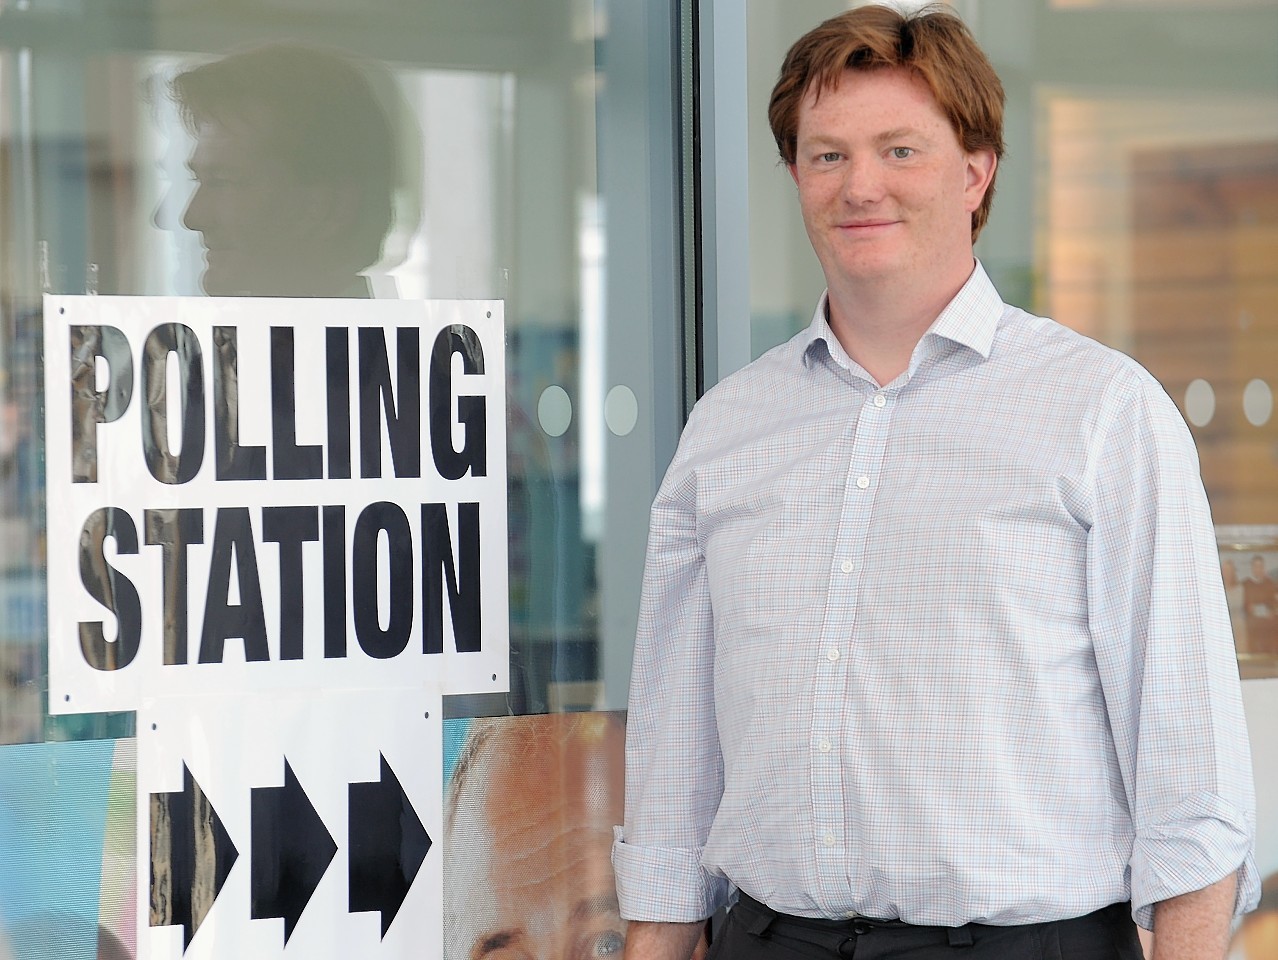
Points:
[(291, 850), (191, 856), (387, 846), (333, 866)]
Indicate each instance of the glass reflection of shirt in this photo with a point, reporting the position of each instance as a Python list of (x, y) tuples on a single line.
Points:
[(951, 650)]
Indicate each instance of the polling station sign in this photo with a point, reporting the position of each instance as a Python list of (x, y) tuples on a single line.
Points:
[(261, 494)]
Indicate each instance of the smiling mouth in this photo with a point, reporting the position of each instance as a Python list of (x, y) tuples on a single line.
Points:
[(866, 224)]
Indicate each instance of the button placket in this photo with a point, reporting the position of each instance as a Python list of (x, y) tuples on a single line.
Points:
[(832, 721)]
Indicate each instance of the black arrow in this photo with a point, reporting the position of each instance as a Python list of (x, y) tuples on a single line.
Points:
[(387, 846), (191, 855), (291, 850)]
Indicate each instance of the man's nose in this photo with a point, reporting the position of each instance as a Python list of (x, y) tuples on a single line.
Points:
[(862, 181), (193, 217), (164, 216)]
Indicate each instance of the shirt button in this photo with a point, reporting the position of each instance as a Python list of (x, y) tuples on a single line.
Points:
[(833, 654), (824, 746), (846, 566), (830, 840), (862, 482), (880, 400)]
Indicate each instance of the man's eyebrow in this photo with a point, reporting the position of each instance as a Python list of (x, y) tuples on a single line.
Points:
[(899, 133), (494, 941), (592, 907), (823, 139)]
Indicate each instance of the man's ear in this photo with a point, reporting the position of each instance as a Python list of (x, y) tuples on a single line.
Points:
[(981, 165), (794, 172)]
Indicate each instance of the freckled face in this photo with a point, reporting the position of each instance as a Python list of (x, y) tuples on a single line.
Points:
[(887, 191)]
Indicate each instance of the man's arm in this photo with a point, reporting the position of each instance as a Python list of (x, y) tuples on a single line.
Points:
[(662, 941), (1166, 659), (1195, 926), (674, 765)]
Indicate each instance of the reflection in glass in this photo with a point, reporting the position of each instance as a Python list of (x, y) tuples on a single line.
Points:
[(1161, 238), (295, 170), (441, 152), (1249, 566), (430, 150)]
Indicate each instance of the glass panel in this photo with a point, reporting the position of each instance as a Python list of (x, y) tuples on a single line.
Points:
[(523, 152)]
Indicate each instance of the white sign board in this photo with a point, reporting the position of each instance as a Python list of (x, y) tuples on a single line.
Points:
[(293, 821), (265, 495)]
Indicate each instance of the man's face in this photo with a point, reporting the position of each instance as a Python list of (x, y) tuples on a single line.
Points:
[(252, 216), (528, 871), (887, 191)]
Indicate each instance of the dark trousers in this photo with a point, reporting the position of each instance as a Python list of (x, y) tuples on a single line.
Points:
[(755, 932)]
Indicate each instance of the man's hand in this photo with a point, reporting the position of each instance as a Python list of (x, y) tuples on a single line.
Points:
[(1195, 926), (664, 941)]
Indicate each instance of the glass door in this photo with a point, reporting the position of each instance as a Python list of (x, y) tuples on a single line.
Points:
[(524, 153)]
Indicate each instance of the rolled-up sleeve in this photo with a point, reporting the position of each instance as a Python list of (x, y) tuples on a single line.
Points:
[(674, 770), (1164, 648)]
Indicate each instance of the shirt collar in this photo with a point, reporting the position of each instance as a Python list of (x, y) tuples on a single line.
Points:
[(969, 320)]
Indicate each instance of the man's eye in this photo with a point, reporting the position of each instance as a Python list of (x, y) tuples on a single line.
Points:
[(609, 943), (829, 157), (593, 946), (902, 153)]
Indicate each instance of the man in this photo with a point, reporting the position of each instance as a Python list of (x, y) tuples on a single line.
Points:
[(295, 163), (529, 822), (933, 650)]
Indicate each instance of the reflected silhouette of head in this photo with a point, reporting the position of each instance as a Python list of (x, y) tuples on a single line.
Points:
[(295, 163), (528, 821)]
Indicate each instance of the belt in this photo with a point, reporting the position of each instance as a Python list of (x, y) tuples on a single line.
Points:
[(839, 936)]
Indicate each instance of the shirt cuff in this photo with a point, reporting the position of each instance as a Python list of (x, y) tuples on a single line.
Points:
[(1200, 841), (664, 884)]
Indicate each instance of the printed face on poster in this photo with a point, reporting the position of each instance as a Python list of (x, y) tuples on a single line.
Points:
[(272, 495), (558, 778)]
